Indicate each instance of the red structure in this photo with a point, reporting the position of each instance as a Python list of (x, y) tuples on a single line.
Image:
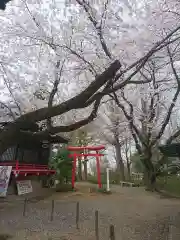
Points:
[(28, 169), (96, 154)]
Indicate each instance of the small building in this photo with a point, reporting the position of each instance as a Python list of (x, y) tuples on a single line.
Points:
[(29, 160)]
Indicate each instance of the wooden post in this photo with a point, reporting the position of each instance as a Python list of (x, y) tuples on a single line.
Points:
[(77, 215), (52, 210), (111, 232), (107, 175), (97, 225), (24, 209)]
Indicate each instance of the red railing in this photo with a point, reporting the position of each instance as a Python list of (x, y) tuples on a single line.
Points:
[(28, 168), (16, 165)]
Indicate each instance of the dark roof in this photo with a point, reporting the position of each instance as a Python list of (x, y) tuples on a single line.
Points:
[(170, 150), (3, 4)]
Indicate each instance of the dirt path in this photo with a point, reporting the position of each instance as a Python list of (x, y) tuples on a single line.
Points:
[(136, 214)]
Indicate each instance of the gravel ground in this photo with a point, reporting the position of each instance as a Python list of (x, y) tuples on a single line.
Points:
[(136, 215)]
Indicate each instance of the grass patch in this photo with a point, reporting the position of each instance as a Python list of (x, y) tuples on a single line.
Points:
[(170, 185)]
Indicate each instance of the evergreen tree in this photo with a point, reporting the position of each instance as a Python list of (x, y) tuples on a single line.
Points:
[(63, 164)]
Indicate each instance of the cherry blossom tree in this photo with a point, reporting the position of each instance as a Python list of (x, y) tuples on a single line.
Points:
[(100, 59), (149, 110), (111, 128)]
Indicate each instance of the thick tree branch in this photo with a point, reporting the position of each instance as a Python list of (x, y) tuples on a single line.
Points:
[(11, 133), (69, 128), (142, 61), (31, 137), (139, 64), (76, 102)]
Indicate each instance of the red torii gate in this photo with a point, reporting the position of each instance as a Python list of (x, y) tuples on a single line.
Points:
[(97, 155)]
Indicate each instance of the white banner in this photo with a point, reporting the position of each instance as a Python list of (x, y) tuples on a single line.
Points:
[(24, 187), (5, 173)]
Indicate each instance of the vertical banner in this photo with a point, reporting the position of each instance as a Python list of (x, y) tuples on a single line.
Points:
[(5, 173)]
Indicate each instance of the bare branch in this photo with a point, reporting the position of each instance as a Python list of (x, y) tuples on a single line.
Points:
[(173, 67), (32, 17), (54, 46), (103, 17), (72, 51), (9, 88), (73, 126), (131, 116), (9, 109), (142, 61), (92, 69), (54, 89), (153, 103), (139, 82), (172, 105), (98, 26), (173, 136), (130, 121)]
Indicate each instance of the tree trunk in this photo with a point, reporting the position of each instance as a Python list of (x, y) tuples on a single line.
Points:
[(128, 170), (149, 171), (119, 160), (150, 180), (79, 169), (85, 169)]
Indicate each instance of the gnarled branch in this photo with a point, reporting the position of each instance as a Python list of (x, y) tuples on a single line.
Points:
[(76, 102)]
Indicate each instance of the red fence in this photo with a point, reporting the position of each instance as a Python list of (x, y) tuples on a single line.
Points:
[(28, 169)]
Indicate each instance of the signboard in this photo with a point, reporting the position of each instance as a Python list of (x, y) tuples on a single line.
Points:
[(45, 144), (24, 187), (5, 173)]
